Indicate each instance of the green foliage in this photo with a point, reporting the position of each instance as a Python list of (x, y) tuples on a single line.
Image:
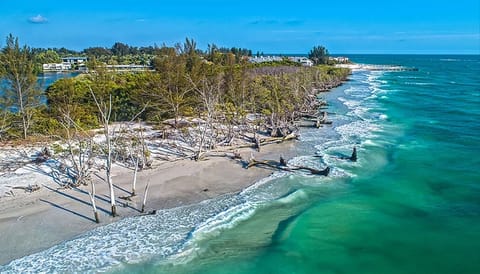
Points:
[(7, 130), (57, 149), (71, 97), (218, 84), (20, 91), (284, 62), (47, 56), (44, 124), (97, 52), (319, 55)]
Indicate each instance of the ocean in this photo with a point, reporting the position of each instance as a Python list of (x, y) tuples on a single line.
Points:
[(410, 204)]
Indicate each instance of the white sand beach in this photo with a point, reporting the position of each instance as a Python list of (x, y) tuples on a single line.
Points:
[(31, 222)]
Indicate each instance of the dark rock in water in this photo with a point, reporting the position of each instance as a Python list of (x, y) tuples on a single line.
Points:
[(205, 189)]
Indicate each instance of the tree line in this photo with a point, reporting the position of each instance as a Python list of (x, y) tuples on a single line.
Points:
[(186, 82), (200, 100)]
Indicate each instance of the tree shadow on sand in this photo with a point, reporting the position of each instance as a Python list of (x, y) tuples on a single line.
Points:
[(67, 210)]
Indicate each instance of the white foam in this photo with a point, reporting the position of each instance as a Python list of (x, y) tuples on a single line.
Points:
[(224, 220), (383, 117)]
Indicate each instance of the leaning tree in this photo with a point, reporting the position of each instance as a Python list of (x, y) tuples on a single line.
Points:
[(21, 94)]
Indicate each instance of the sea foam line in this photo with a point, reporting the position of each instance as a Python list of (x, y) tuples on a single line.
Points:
[(137, 239)]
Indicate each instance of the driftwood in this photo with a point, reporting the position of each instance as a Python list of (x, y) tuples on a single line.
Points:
[(29, 188), (283, 162), (314, 120), (314, 171), (257, 144), (43, 156), (323, 120), (281, 165), (276, 140), (151, 212)]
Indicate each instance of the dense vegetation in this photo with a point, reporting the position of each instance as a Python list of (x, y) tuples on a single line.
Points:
[(216, 85)]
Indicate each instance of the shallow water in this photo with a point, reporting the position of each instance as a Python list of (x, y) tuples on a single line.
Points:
[(411, 204)]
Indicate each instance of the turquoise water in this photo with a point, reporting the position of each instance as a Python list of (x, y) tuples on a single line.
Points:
[(411, 204)]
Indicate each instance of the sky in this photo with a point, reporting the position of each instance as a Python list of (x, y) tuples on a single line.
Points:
[(288, 27)]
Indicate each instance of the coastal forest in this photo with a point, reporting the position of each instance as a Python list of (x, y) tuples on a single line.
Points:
[(189, 104), (219, 84)]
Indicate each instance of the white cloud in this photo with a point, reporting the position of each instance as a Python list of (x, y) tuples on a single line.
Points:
[(39, 19)]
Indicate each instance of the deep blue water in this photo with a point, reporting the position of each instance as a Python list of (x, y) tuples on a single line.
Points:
[(410, 204), (48, 78), (44, 80)]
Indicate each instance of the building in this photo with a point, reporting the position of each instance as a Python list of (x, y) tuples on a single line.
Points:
[(75, 60), (57, 67), (262, 59), (302, 60), (340, 60)]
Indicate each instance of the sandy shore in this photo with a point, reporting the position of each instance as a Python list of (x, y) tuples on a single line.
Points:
[(33, 222)]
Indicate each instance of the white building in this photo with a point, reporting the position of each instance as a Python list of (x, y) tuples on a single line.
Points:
[(302, 60), (340, 59), (57, 66), (262, 59), (75, 60)]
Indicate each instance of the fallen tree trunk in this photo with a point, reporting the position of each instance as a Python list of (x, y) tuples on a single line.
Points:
[(29, 188), (273, 140), (281, 166)]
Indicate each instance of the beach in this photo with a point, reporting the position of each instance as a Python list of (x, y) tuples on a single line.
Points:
[(409, 203), (32, 222)]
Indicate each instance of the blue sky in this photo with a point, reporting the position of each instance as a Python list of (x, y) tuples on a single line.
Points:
[(346, 26)]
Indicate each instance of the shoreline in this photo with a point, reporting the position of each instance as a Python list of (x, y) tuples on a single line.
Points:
[(50, 215), (32, 222)]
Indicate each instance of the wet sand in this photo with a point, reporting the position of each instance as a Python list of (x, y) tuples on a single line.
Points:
[(33, 222)]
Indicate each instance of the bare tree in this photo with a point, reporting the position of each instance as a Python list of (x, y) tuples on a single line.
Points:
[(209, 90), (138, 154), (145, 197), (80, 152), (80, 155), (105, 111)]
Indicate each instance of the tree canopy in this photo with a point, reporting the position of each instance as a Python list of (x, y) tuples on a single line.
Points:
[(219, 84), (319, 55), (20, 91)]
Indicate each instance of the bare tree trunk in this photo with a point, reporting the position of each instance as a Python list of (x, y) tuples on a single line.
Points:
[(135, 171), (22, 108), (108, 170), (92, 199), (145, 197), (80, 153), (105, 114)]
